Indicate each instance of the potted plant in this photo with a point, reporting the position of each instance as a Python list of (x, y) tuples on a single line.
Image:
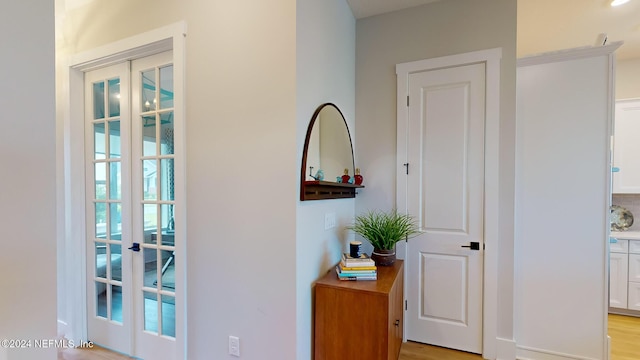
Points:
[(383, 230)]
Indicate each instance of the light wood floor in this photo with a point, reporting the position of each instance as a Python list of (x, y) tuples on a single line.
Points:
[(624, 332)]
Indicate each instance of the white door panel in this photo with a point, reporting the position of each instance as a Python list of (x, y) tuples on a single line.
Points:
[(445, 149)]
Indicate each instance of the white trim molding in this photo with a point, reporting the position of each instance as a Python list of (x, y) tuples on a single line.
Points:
[(492, 59), (531, 353)]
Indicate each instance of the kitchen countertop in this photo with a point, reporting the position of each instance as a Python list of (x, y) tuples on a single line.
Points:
[(633, 235)]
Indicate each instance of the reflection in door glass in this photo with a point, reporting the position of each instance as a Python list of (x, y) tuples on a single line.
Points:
[(116, 221), (100, 174), (115, 149), (114, 97), (99, 141), (166, 87), (168, 307), (101, 220), (116, 262), (98, 100), (150, 267), (101, 299), (116, 303), (149, 135), (148, 97), (150, 312)]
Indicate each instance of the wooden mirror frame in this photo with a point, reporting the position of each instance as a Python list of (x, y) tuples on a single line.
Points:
[(319, 189)]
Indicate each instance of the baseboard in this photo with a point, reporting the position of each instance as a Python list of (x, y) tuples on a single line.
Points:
[(506, 349), (529, 353)]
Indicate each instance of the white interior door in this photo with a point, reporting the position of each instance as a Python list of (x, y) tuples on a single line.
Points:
[(445, 192), (107, 136), (154, 208), (131, 253)]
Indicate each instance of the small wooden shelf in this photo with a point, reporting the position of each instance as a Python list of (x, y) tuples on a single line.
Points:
[(359, 319), (319, 190)]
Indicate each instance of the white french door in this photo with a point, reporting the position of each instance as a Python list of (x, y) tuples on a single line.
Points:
[(445, 192), (131, 207)]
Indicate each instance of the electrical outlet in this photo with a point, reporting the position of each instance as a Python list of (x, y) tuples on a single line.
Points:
[(234, 346), (329, 221)]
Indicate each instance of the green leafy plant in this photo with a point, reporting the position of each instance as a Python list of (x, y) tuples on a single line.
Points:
[(384, 229)]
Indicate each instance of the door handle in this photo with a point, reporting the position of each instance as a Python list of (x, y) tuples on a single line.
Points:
[(135, 247), (474, 245)]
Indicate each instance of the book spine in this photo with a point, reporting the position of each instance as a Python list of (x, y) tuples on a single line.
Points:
[(357, 278), (344, 266)]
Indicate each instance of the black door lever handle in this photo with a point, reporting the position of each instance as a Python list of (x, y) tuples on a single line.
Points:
[(474, 245), (135, 247)]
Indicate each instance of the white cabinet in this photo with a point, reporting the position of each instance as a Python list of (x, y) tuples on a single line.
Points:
[(618, 269), (624, 274), (626, 147)]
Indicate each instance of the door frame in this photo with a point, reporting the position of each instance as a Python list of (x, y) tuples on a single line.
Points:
[(73, 289), (492, 344)]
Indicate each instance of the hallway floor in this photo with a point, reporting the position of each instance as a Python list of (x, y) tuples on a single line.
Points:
[(624, 332)]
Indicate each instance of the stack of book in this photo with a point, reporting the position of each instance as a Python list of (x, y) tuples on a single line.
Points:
[(362, 268)]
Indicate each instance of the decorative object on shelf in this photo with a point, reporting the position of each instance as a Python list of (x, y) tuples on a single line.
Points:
[(346, 177), (358, 178), (319, 174), (354, 248), (383, 230), (621, 218)]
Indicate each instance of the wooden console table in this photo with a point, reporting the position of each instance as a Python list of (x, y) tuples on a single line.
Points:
[(359, 319)]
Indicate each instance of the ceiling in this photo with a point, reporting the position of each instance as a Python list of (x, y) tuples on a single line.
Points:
[(550, 25)]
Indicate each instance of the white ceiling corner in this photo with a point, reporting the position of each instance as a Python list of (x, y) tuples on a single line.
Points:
[(366, 8)]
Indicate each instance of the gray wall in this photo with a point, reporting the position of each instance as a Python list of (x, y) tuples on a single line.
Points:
[(28, 191), (433, 30), (325, 72)]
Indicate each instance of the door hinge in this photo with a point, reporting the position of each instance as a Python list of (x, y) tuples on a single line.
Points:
[(407, 100), (405, 304), (406, 165)]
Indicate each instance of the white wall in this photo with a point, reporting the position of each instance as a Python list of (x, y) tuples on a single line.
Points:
[(325, 73), (562, 199), (628, 79), (28, 192), (242, 161), (438, 29)]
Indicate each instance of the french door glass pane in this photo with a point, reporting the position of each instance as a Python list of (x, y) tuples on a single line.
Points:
[(116, 262), (168, 279), (101, 220), (168, 307), (148, 135), (166, 87), (99, 141), (100, 173), (166, 180), (114, 139), (150, 267), (150, 216), (114, 97), (166, 132), (148, 90), (116, 303), (101, 260), (101, 299), (150, 311), (116, 221), (98, 100), (149, 181), (115, 181)]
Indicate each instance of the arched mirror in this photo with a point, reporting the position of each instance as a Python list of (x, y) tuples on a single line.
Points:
[(328, 154)]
